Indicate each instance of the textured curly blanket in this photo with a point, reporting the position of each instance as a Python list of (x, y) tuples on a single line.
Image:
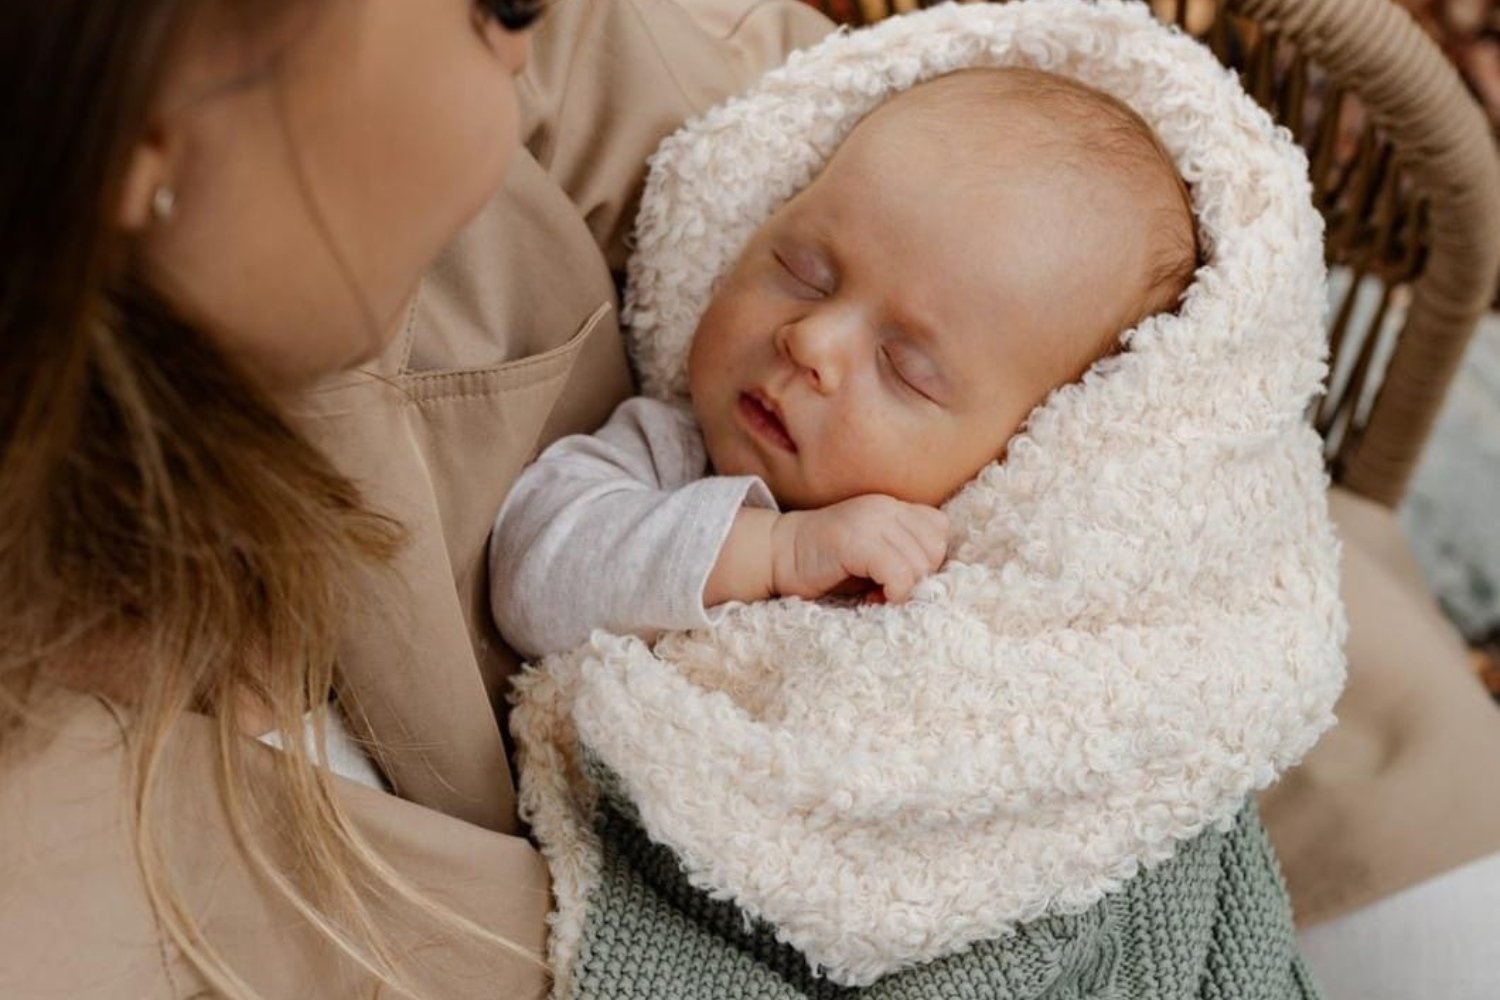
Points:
[(1138, 626)]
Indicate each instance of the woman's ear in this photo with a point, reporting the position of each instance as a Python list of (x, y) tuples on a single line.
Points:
[(146, 193)]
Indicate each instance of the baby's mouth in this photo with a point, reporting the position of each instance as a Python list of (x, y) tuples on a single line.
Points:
[(765, 422)]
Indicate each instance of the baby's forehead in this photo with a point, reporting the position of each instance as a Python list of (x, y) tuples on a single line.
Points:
[(989, 118), (1068, 184)]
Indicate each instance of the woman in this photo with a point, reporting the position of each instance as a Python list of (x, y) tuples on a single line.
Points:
[(224, 205)]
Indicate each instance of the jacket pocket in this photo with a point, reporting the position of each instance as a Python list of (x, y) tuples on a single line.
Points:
[(476, 429), (426, 389)]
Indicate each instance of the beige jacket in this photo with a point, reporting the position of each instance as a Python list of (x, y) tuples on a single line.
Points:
[(512, 342)]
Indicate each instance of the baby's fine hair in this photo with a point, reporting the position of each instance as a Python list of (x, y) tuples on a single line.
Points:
[(1085, 127)]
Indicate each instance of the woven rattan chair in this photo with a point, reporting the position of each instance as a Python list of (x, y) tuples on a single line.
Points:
[(1405, 173)]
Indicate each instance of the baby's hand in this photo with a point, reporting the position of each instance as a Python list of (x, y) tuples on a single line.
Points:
[(874, 537)]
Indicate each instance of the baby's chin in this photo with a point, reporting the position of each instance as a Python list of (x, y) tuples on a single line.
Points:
[(727, 459), (736, 462)]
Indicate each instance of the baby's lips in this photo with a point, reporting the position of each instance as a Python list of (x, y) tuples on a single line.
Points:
[(768, 413)]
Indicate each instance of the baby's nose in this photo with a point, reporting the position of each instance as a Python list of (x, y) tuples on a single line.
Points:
[(824, 345)]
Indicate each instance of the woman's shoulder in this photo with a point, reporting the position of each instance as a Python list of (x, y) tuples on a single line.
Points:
[(74, 915), (76, 919), (61, 779)]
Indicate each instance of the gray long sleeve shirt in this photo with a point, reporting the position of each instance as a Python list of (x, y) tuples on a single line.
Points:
[(615, 530)]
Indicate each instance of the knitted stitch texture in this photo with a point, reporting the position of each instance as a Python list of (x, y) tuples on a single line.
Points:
[(1210, 924)]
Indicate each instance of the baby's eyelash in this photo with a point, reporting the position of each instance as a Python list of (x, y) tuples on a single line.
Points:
[(918, 386), (889, 363), (797, 277)]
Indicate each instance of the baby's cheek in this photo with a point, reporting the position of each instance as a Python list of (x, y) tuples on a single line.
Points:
[(861, 455), (943, 460), (730, 456), (719, 457)]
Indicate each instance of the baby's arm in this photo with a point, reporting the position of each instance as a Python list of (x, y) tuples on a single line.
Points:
[(809, 553), (616, 530)]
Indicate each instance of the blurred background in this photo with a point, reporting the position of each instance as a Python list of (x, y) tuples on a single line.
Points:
[(1452, 512)]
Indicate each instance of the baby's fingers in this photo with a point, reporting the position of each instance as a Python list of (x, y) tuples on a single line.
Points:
[(899, 565), (928, 529), (895, 574)]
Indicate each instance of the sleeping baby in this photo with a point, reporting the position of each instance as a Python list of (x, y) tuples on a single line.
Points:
[(975, 242), (965, 566)]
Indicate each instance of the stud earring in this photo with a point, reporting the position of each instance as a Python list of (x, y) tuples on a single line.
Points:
[(163, 201)]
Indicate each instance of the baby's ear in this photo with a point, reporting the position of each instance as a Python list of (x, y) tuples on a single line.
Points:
[(716, 284)]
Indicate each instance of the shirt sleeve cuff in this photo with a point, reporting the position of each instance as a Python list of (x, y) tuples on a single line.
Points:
[(719, 500)]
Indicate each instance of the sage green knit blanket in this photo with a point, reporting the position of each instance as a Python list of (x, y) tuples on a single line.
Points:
[(1212, 923)]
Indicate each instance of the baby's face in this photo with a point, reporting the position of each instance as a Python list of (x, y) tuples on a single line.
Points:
[(890, 328)]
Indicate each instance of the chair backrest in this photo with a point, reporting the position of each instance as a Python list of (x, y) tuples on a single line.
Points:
[(1404, 170)]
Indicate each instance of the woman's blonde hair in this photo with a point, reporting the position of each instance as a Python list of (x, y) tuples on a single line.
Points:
[(167, 540)]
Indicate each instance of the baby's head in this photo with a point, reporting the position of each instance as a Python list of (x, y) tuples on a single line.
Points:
[(976, 242)]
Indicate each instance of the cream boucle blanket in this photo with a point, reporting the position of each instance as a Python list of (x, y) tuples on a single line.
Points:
[(1139, 624)]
